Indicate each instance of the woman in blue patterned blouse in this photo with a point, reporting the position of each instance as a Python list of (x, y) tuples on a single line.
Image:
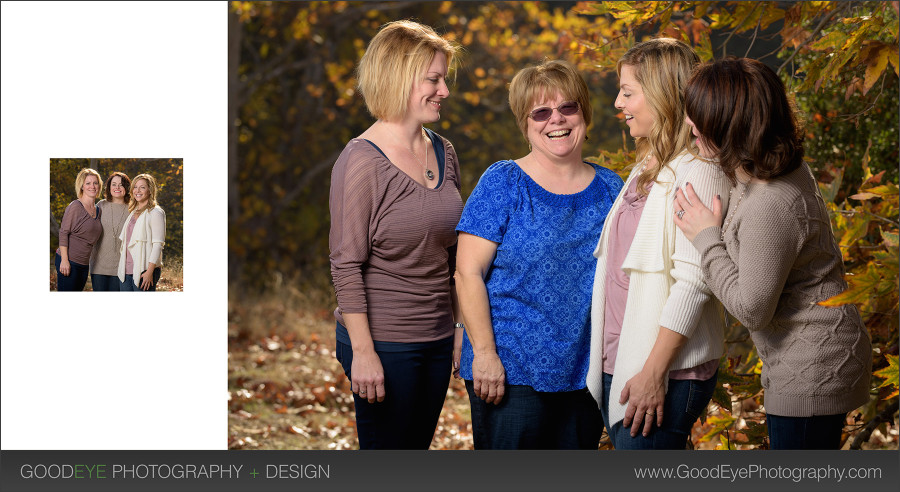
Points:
[(524, 273)]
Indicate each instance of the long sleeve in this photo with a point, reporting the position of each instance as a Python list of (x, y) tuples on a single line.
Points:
[(65, 226), (689, 292), (157, 234), (352, 202), (767, 234)]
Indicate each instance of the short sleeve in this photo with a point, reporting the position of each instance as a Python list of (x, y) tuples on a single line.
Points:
[(491, 203)]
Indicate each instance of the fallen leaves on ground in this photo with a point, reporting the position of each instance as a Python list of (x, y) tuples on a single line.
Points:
[(287, 390)]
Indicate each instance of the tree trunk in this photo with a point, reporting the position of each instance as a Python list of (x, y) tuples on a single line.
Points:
[(54, 225), (235, 34)]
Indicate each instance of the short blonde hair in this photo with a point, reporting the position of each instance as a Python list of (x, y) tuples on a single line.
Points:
[(397, 56), (82, 176), (662, 66), (547, 79), (151, 184)]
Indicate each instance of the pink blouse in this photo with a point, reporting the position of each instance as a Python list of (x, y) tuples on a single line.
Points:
[(622, 229), (129, 261)]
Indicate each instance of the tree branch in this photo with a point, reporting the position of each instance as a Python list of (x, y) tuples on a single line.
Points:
[(753, 40), (730, 35), (304, 181), (886, 415), (815, 32)]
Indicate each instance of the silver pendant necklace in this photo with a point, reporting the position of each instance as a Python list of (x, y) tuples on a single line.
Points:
[(118, 218), (733, 210), (429, 174)]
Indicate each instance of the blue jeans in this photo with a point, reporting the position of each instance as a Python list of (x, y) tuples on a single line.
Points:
[(817, 432), (529, 419), (104, 283), (685, 401), (128, 284), (75, 280), (416, 378)]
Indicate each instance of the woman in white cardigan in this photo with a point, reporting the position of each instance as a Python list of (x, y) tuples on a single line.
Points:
[(657, 332), (143, 237)]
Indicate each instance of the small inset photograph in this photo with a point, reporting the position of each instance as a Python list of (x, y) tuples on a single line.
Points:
[(116, 225)]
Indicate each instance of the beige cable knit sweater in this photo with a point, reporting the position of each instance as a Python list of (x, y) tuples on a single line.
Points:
[(778, 259)]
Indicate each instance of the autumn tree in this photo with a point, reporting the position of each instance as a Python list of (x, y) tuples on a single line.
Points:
[(293, 106)]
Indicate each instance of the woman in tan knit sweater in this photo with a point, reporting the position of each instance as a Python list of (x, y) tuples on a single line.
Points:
[(773, 257), (105, 255)]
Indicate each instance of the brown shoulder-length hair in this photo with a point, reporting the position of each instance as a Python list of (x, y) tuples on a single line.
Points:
[(545, 80), (662, 66), (126, 183), (744, 116)]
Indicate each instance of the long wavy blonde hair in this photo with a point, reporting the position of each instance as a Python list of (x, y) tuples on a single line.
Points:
[(152, 188), (662, 67)]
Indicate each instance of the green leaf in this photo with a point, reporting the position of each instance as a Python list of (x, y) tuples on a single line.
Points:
[(719, 424), (832, 40)]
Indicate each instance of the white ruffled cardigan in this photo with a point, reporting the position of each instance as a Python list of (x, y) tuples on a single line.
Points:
[(147, 241), (666, 284)]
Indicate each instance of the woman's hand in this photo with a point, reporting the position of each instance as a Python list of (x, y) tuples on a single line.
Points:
[(696, 216), (457, 350), (64, 267), (146, 280), (367, 376), (489, 377), (645, 394)]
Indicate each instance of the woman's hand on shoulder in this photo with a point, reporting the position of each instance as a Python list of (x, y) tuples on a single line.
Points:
[(489, 377), (692, 216)]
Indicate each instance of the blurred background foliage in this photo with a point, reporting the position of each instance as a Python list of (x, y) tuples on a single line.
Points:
[(170, 195), (293, 106)]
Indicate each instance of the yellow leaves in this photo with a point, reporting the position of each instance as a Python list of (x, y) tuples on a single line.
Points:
[(893, 58), (875, 65), (889, 375), (862, 288), (719, 424)]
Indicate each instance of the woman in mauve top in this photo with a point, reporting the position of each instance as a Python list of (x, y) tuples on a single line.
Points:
[(142, 239), (774, 258), (658, 333), (114, 211), (78, 232), (394, 205), (524, 272)]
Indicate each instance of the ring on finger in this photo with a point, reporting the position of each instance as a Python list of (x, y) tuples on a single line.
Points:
[(680, 213), (651, 413)]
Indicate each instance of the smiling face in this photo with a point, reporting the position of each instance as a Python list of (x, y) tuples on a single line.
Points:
[(559, 137), (704, 149), (140, 190), (91, 186), (117, 189), (631, 102), (428, 92)]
